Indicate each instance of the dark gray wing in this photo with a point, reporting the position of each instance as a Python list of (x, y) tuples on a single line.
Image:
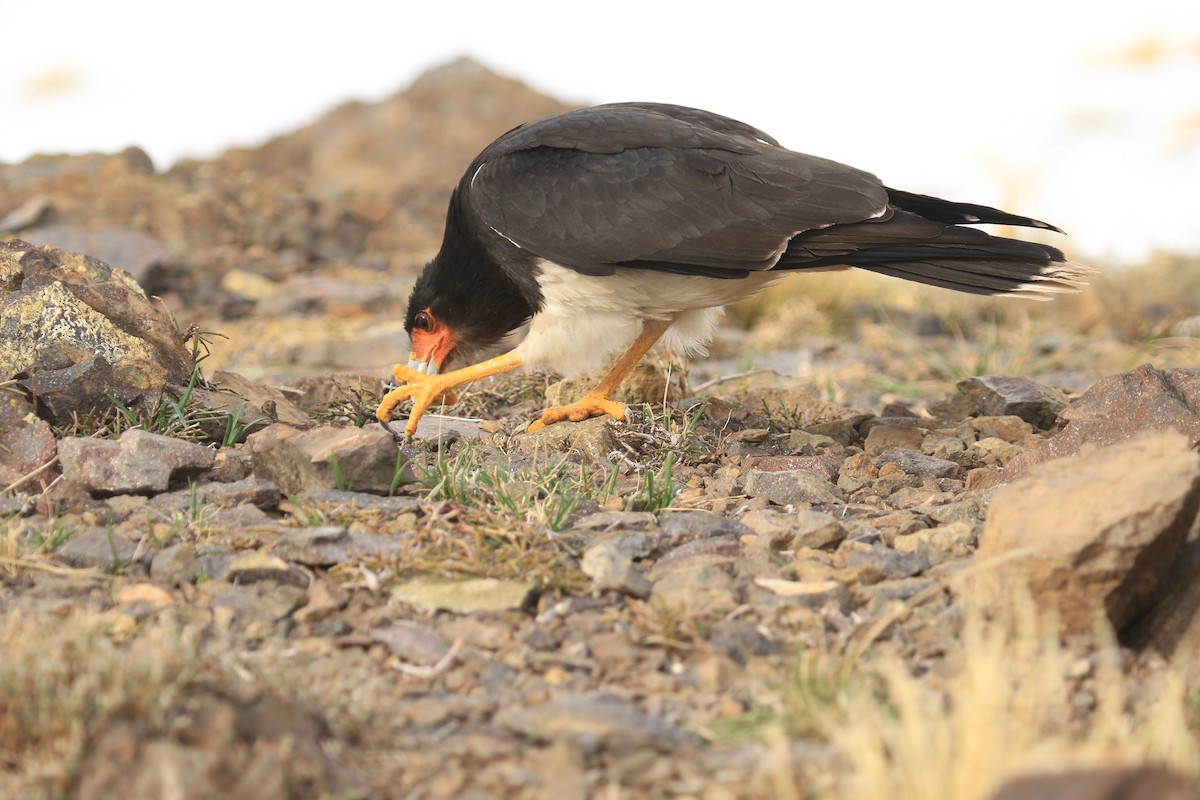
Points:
[(659, 187)]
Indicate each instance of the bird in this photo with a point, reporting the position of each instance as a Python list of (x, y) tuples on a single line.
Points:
[(607, 229)]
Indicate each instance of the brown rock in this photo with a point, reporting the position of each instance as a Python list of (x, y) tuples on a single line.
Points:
[(1133, 783), (882, 438), (359, 459), (593, 438), (596, 723), (318, 393), (914, 462), (415, 642), (1173, 624), (259, 567), (791, 487), (1092, 535), (610, 567), (1001, 395), (99, 548), (802, 529), (138, 463), (26, 443), (824, 464), (1118, 408)]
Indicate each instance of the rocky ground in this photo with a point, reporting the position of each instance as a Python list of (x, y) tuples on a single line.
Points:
[(882, 542)]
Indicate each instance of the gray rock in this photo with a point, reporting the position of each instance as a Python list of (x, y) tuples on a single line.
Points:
[(714, 550), (878, 596), (215, 561), (741, 640), (875, 563), (261, 398), (261, 603), (791, 487), (27, 214), (1001, 395), (439, 426), (596, 723), (415, 642), (82, 332), (255, 492), (329, 545), (681, 526), (696, 585), (98, 548), (315, 547), (942, 446), (604, 521), (611, 567), (346, 458), (227, 519), (139, 463), (917, 463), (358, 500), (28, 444), (796, 530), (1093, 535), (176, 564), (258, 567)]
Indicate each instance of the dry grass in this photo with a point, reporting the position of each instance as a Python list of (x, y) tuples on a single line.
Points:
[(63, 681), (1011, 700), (1126, 316)]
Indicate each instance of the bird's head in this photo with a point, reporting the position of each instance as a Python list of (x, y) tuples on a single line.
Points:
[(457, 317)]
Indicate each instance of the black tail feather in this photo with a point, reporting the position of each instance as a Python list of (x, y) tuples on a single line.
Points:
[(934, 250), (951, 213)]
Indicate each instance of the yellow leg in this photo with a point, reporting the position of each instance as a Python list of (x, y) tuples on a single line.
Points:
[(425, 389), (596, 403)]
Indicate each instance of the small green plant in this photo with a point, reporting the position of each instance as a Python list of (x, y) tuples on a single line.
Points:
[(544, 493), (400, 473), (118, 564), (656, 490), (235, 429), (339, 480), (47, 539)]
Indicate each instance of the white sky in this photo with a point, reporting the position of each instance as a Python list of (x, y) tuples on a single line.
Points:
[(1013, 104)]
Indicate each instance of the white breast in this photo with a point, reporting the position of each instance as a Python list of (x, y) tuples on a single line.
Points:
[(586, 318)]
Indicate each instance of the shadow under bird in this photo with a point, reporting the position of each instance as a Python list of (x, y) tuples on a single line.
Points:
[(610, 228)]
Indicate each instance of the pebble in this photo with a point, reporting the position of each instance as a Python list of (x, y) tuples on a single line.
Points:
[(791, 487)]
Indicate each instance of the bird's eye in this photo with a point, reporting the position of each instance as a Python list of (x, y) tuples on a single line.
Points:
[(422, 321)]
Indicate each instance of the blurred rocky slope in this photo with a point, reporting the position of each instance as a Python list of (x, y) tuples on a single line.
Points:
[(331, 220)]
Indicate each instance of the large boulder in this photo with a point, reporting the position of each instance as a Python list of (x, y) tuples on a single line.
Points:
[(1094, 535), (78, 333)]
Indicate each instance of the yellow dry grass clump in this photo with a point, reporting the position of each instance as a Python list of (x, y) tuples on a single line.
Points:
[(1011, 700)]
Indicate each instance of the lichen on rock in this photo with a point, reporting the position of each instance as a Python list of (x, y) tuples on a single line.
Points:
[(61, 310)]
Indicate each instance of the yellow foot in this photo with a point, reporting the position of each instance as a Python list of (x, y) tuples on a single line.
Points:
[(423, 390), (589, 406)]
